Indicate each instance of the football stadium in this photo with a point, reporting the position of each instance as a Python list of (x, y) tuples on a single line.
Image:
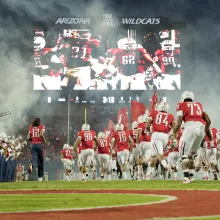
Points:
[(109, 110)]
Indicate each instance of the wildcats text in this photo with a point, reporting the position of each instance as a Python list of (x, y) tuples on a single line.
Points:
[(140, 20)]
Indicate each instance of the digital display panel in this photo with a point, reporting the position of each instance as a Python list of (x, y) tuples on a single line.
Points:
[(125, 58)]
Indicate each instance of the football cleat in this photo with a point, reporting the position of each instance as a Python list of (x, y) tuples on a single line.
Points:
[(186, 180)]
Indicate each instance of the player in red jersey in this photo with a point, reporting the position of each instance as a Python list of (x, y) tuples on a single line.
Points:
[(130, 61), (168, 58), (87, 138), (145, 146), (122, 141), (81, 55), (173, 157), (48, 68), (68, 160), (104, 155), (162, 122), (196, 125), (210, 148), (36, 136), (135, 153)]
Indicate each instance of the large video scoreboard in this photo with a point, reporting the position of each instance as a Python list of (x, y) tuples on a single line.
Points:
[(106, 61)]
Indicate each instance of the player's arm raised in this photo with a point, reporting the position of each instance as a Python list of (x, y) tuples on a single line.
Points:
[(149, 122), (131, 142)]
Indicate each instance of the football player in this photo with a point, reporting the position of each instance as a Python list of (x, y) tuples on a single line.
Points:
[(67, 159), (81, 52), (86, 137), (196, 125), (168, 58), (48, 68), (162, 122), (130, 61)]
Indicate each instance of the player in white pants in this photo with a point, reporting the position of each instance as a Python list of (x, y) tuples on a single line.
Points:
[(104, 156), (196, 125), (122, 140), (162, 122)]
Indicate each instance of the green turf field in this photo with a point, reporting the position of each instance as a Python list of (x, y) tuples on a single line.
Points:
[(157, 184), (35, 202)]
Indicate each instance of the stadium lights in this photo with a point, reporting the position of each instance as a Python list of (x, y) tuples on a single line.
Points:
[(61, 100), (49, 99)]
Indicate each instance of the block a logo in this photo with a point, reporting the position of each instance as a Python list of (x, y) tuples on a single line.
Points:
[(108, 21)]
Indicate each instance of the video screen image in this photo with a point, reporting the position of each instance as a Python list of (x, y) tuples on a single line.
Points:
[(82, 59)]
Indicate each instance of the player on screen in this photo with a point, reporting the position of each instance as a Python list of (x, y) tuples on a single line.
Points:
[(47, 65), (130, 61), (80, 52), (168, 58)]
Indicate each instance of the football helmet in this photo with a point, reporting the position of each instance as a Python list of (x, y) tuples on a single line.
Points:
[(134, 125), (187, 95), (143, 118), (163, 107), (39, 43), (126, 44), (66, 146), (101, 135), (167, 46), (85, 127), (39, 33), (119, 127), (164, 34), (85, 34)]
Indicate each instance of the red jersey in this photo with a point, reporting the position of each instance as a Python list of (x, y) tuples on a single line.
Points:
[(87, 138), (80, 48), (121, 139), (130, 62), (191, 111), (35, 134), (161, 121), (133, 134), (143, 127), (104, 146), (145, 136), (67, 154), (168, 62)]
